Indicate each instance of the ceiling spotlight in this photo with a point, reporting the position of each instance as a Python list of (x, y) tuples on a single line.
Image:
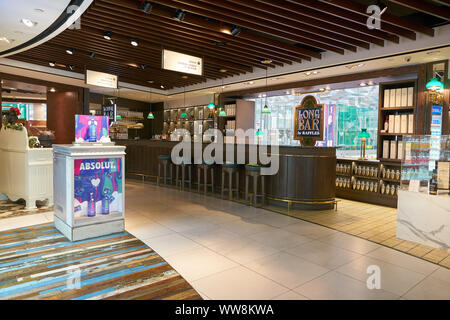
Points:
[(328, 88), (52, 63), (219, 43), (107, 35), (52, 90), (69, 50), (315, 72), (223, 70), (287, 92), (92, 55), (308, 73), (162, 87), (223, 87), (382, 6), (235, 31), (370, 83), (146, 6), (144, 66), (134, 42), (72, 67), (184, 77), (225, 29), (179, 15), (322, 89), (28, 22), (363, 84), (150, 81), (266, 61)]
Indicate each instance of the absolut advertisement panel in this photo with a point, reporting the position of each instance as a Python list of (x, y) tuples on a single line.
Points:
[(98, 188), (91, 128)]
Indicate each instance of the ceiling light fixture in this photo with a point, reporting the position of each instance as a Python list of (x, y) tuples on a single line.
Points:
[(225, 29), (52, 90), (266, 61), (162, 87), (92, 55), (28, 22), (52, 63), (363, 84), (370, 83), (150, 81), (72, 67), (107, 35), (179, 15), (235, 31), (184, 77), (219, 43), (308, 73), (223, 70), (69, 50), (134, 42), (144, 66), (146, 6), (328, 88)]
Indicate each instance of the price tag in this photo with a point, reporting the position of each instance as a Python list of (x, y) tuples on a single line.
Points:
[(414, 185)]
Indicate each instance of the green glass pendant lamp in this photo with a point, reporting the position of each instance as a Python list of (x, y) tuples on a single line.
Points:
[(222, 113), (435, 85), (150, 116)]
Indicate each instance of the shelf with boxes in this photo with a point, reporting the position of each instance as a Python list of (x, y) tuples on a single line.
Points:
[(396, 117), (368, 181), (194, 119)]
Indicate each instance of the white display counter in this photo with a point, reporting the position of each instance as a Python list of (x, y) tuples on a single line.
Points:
[(89, 190), (25, 173)]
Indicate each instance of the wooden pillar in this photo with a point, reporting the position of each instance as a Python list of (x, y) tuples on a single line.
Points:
[(62, 106)]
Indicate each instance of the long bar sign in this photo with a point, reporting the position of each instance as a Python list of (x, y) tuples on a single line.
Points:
[(180, 62), (309, 124)]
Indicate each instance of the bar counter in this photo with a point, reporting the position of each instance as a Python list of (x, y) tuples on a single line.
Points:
[(305, 179)]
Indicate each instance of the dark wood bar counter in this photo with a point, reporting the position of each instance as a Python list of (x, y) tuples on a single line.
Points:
[(305, 179)]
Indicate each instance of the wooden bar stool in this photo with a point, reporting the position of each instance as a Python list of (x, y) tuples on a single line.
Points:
[(254, 171), (183, 180), (165, 160), (230, 168), (205, 167)]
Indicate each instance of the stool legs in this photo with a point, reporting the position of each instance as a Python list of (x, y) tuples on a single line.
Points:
[(212, 180), (246, 188), (262, 190), (159, 173), (199, 180), (237, 184), (205, 178), (255, 189), (176, 176), (230, 186), (223, 183), (190, 177), (165, 172)]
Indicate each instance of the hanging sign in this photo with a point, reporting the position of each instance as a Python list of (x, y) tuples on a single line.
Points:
[(309, 122), (101, 79), (180, 62)]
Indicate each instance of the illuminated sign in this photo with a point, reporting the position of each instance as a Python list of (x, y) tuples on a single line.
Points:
[(101, 79), (309, 122), (181, 62)]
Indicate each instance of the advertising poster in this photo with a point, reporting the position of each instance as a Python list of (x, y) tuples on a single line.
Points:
[(91, 128), (97, 187)]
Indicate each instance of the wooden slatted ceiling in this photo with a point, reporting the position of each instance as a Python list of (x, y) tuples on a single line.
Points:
[(284, 31)]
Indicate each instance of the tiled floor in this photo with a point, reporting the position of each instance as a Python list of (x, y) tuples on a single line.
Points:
[(227, 250)]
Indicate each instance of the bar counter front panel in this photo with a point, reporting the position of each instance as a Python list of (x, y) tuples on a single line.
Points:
[(305, 179)]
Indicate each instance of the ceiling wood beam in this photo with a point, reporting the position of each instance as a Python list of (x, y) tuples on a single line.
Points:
[(335, 9), (442, 12), (387, 18), (233, 17), (195, 20)]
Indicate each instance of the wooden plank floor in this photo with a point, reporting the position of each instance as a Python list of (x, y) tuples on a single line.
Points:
[(38, 262)]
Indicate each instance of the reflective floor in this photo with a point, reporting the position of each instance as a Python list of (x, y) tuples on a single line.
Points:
[(227, 250)]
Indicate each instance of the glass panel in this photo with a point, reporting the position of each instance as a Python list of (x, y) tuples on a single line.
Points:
[(347, 111)]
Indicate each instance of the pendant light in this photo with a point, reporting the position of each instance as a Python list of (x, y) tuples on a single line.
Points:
[(222, 112), (266, 109), (435, 85), (184, 114), (150, 114)]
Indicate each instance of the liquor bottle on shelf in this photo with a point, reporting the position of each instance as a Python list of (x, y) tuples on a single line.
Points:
[(386, 124), (91, 205), (105, 201)]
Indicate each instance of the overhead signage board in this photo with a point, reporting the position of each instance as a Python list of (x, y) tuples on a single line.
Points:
[(101, 79), (180, 62), (309, 122)]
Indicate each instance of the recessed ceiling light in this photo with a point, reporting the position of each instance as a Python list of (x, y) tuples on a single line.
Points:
[(179, 15), (162, 87), (28, 22), (134, 42), (69, 50), (250, 82), (266, 61), (328, 88), (322, 89), (222, 70), (223, 87), (315, 72), (107, 35), (150, 81), (52, 90), (370, 83), (363, 84), (184, 77), (235, 31), (52, 63), (146, 6), (225, 29)]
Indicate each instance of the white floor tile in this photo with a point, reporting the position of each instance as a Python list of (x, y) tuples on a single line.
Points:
[(310, 230), (290, 295), (239, 283), (171, 244), (286, 269), (350, 242), (393, 278), (279, 239), (336, 286), (431, 288)]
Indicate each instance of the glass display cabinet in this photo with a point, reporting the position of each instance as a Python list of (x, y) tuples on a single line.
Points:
[(423, 199)]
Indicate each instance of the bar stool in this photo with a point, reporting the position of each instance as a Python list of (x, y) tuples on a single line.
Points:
[(230, 168), (183, 175), (165, 160), (254, 170), (205, 167)]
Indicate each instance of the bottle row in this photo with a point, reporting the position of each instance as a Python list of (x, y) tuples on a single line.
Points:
[(343, 168), (230, 109), (366, 171), (371, 186), (343, 183), (389, 189), (390, 174)]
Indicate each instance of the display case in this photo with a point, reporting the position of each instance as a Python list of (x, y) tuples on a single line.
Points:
[(424, 201)]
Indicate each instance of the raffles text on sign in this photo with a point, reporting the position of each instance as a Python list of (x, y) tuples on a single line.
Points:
[(309, 124)]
